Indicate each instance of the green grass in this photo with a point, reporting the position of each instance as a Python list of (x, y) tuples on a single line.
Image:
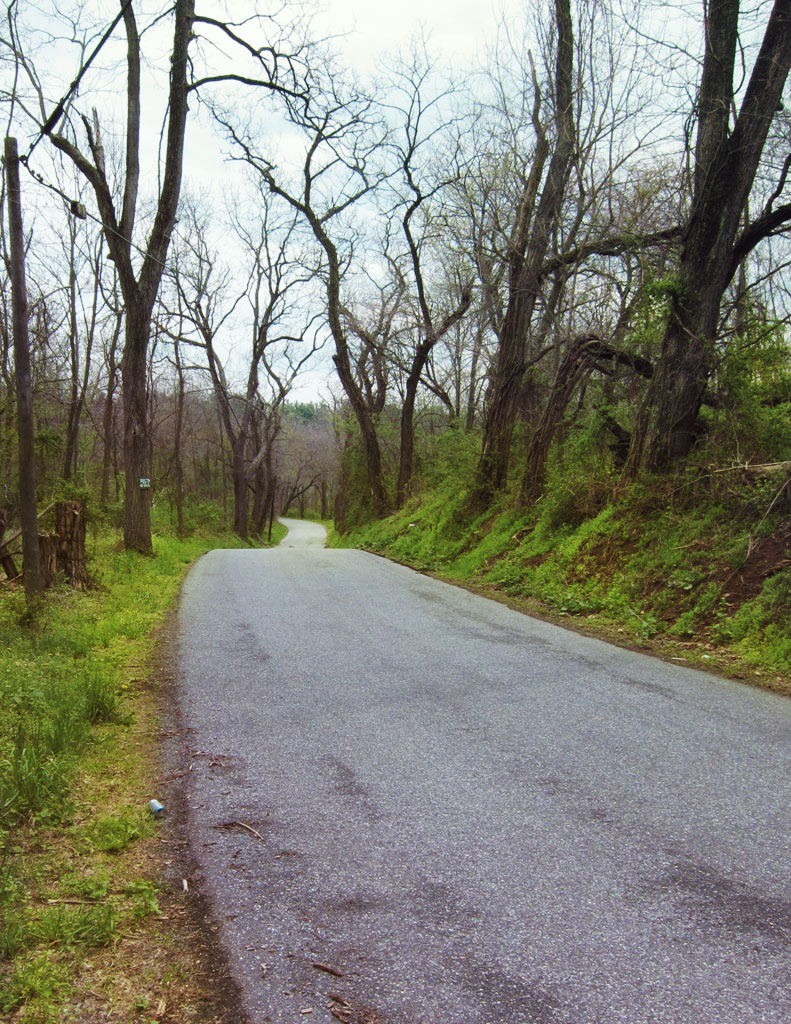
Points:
[(76, 749)]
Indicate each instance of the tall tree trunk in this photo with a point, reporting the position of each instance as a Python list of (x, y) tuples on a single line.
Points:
[(139, 292), (137, 443), (179, 428), (685, 365), (422, 352), (272, 497), (78, 384), (527, 250), (370, 442), (31, 561), (407, 456), (69, 467), (239, 476), (503, 395), (72, 438), (260, 501), (75, 398), (574, 366), (726, 162), (108, 413)]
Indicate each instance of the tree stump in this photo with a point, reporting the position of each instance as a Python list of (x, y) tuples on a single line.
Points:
[(70, 542), (47, 552)]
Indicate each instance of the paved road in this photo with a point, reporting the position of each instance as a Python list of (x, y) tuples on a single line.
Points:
[(473, 816)]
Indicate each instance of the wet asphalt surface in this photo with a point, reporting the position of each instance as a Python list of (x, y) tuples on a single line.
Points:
[(473, 817)]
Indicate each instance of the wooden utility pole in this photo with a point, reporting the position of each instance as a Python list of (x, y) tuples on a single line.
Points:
[(31, 565)]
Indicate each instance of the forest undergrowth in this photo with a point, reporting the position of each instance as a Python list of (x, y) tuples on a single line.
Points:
[(90, 930)]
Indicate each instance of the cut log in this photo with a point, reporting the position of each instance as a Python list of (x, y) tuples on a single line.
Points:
[(47, 551)]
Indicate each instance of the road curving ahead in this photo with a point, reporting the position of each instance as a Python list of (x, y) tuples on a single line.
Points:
[(416, 806)]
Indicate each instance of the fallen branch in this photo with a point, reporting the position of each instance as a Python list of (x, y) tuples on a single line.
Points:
[(739, 467), (769, 467), (326, 967), (241, 824), (15, 536), (71, 903)]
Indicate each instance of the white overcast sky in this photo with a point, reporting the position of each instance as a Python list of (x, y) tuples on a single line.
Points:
[(457, 29)]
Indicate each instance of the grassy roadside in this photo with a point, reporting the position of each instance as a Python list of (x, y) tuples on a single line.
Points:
[(90, 928), (693, 576)]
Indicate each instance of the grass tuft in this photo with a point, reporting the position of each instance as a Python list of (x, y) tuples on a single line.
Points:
[(101, 697)]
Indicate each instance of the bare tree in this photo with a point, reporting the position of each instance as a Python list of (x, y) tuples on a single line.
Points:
[(108, 429), (82, 329), (118, 207), (371, 321), (538, 233), (282, 342), (420, 116), (727, 154), (27, 476), (139, 289), (342, 141), (539, 209)]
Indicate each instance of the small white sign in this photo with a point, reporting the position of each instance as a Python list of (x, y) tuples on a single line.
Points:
[(144, 482)]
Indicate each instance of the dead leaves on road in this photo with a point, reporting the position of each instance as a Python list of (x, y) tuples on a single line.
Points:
[(341, 1010)]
